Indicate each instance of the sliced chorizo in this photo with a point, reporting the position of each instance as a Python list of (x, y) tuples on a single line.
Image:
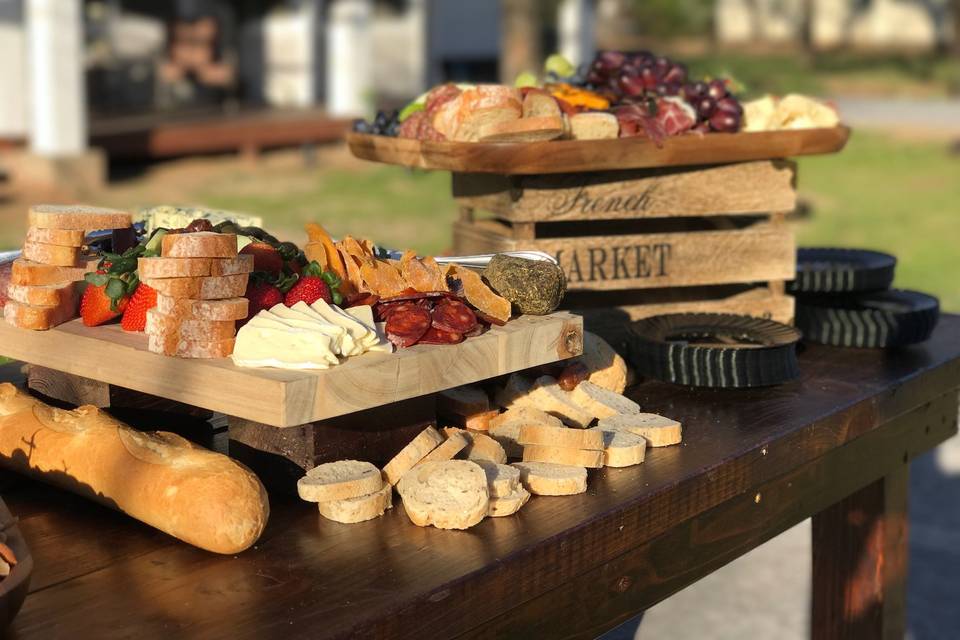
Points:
[(440, 336), (405, 326), (454, 316)]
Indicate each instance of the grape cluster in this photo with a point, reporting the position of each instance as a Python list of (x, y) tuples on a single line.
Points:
[(634, 77), (384, 124)]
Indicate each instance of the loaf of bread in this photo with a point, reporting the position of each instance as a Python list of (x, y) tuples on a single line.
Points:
[(79, 217), (61, 237), (198, 496), (13, 400), (227, 309), (202, 244), (464, 118)]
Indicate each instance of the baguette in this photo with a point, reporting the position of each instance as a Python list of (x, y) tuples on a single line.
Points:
[(13, 400), (359, 509), (201, 497), (658, 431), (545, 479), (77, 217), (454, 444), (173, 345), (59, 237), (45, 296), (202, 288), (621, 448), (194, 267), (600, 402), (509, 504), (425, 442), (467, 400), (502, 479), (479, 446), (533, 434), (202, 244), (451, 494), (339, 480), (159, 324), (564, 456), (52, 254), (36, 274), (28, 316), (221, 310)]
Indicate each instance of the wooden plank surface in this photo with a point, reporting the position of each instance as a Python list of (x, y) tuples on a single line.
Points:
[(568, 156), (763, 186), (289, 398), (761, 252), (311, 578)]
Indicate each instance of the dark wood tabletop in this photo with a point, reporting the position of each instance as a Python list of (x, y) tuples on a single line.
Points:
[(835, 445)]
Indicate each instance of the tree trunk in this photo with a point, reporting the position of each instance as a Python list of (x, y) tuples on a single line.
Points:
[(519, 38)]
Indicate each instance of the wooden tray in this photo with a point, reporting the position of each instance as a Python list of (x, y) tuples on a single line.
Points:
[(564, 156), (290, 398)]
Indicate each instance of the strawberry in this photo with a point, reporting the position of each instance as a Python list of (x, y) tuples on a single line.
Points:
[(96, 307), (265, 257), (135, 315), (262, 295), (309, 289)]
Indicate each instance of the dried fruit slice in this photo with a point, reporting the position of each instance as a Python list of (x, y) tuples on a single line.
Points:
[(471, 286)]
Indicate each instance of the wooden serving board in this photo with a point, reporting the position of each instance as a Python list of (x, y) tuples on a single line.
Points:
[(566, 156), (289, 398)]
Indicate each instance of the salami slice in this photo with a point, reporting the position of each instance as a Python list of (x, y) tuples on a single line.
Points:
[(383, 310), (440, 336), (454, 316), (405, 326)]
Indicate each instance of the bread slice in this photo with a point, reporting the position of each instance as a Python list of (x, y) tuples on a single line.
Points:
[(36, 274), (193, 267), (46, 296), (467, 400), (550, 436), (502, 479), (476, 422), (540, 104), (658, 431), (463, 118), (227, 309), (60, 237), (425, 442), (545, 479), (52, 254), (449, 494), (14, 400), (514, 391), (28, 316), (173, 345), (563, 455), (547, 396), (621, 448), (509, 504), (606, 368), (523, 130), (78, 217), (454, 444), (594, 126), (200, 288), (505, 428), (231, 266), (189, 328), (479, 446), (202, 244), (359, 509), (339, 480), (600, 402)]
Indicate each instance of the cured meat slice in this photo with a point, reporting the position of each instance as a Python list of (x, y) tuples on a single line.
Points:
[(440, 336), (572, 375), (406, 326), (454, 316)]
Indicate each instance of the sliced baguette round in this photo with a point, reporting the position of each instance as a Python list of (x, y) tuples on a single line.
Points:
[(35, 274), (564, 456), (202, 244), (193, 267), (514, 391), (189, 328), (547, 396), (173, 345), (227, 309), (621, 448), (231, 266), (533, 129), (509, 504), (200, 288), (44, 296), (339, 480), (532, 434), (28, 316), (545, 479), (505, 428), (425, 442), (600, 402), (594, 126), (448, 494), (502, 479), (78, 217), (52, 254), (657, 430), (59, 237), (607, 368), (454, 444), (359, 509), (479, 446)]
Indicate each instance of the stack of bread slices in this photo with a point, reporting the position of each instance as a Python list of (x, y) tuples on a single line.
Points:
[(43, 290), (200, 283), (455, 477)]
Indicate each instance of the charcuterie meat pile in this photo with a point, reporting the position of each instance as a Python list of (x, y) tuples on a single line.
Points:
[(435, 317)]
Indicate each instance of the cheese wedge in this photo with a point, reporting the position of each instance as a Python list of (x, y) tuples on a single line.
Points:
[(364, 315), (298, 320), (384, 345), (356, 330), (264, 346), (348, 346), (262, 321)]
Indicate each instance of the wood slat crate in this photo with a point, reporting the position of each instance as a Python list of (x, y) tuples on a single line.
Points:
[(639, 242)]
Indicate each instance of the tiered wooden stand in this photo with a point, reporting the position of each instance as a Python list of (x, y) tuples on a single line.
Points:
[(282, 422), (694, 225)]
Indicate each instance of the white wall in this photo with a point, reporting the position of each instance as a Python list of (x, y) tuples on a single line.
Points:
[(13, 90)]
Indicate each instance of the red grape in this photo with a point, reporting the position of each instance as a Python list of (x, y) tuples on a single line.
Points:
[(705, 107), (630, 85), (730, 105), (676, 74), (725, 122), (610, 60), (650, 80), (717, 89)]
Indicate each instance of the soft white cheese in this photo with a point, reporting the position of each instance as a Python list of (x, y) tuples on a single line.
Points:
[(364, 315), (263, 342), (356, 330), (296, 319)]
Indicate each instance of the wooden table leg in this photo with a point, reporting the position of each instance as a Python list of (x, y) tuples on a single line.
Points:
[(860, 563)]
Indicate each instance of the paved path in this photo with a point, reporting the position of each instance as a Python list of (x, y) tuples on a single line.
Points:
[(933, 115), (765, 594)]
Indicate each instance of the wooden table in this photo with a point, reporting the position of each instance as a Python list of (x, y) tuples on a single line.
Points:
[(835, 445)]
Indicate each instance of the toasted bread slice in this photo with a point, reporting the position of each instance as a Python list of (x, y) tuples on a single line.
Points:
[(173, 345), (545, 479), (593, 126), (547, 396), (600, 402), (502, 479), (658, 431), (28, 316), (77, 217), (523, 130), (454, 444), (505, 428), (46, 296), (560, 437), (60, 237), (450, 494), (201, 288), (516, 387), (189, 328), (359, 509), (339, 480), (425, 442), (509, 504), (35, 274), (479, 446), (605, 366), (476, 422), (621, 448), (182, 308), (52, 254), (202, 244), (150, 268), (563, 455)]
